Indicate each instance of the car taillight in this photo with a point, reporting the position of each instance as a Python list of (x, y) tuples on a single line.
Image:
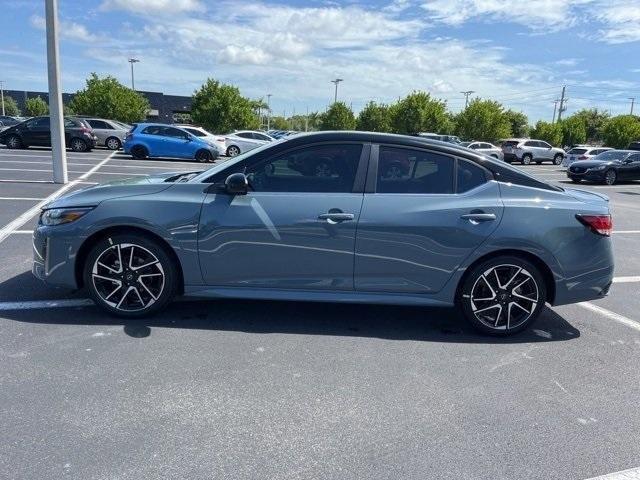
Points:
[(600, 224)]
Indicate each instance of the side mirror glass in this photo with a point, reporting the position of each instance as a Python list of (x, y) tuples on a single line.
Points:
[(236, 184)]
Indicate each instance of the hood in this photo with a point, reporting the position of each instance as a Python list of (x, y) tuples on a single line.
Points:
[(593, 163), (127, 187)]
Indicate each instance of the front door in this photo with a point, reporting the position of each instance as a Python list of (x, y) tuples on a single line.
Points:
[(295, 229), (40, 132), (416, 230), (630, 169)]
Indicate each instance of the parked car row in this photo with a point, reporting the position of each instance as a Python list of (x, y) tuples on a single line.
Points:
[(607, 167), (36, 131)]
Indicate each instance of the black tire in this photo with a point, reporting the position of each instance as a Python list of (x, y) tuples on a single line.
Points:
[(78, 145), (204, 156), (610, 177), (576, 180), (113, 143), (482, 312), (139, 152), (526, 159), (14, 142), (157, 291), (557, 160), (233, 150)]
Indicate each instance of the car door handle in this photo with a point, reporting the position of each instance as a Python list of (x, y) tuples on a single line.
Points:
[(479, 217), (336, 217)]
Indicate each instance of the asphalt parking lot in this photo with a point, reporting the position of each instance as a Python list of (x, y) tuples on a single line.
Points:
[(246, 390)]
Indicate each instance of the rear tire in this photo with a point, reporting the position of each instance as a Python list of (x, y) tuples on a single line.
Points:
[(576, 180), (139, 152), (526, 159), (79, 145), (113, 143), (557, 160), (610, 177), (130, 275), (502, 296), (204, 156), (233, 150)]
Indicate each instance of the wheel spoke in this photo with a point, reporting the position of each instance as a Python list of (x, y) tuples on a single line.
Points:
[(146, 288), (512, 278), (110, 279), (495, 305), (486, 281), (114, 291), (126, 294), (498, 316), (520, 307)]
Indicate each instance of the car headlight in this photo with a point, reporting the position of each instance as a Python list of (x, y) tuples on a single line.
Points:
[(595, 169), (59, 216)]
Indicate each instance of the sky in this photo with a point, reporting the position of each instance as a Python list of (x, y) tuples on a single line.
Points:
[(519, 52)]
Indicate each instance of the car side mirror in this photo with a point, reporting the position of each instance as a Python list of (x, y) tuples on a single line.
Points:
[(236, 184)]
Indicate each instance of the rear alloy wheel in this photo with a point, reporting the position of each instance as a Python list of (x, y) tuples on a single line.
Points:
[(130, 275), (557, 160), (113, 143), (610, 177), (14, 142), (204, 156), (139, 152), (78, 145), (526, 159), (232, 151), (502, 296)]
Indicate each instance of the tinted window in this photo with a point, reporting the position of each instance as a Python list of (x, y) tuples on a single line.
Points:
[(510, 143), (152, 130), (413, 171), (172, 132), (40, 123), (69, 123), (544, 145), (474, 146), (195, 132), (244, 135), (99, 124), (469, 176), (577, 151), (531, 144), (322, 168), (260, 136), (634, 158)]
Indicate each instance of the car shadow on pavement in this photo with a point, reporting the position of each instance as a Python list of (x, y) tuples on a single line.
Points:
[(306, 318)]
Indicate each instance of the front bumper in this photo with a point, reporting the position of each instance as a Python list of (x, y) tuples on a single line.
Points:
[(589, 175), (54, 254)]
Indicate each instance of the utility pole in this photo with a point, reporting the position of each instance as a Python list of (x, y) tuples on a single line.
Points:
[(132, 61), (633, 100), (268, 111), (466, 97), (336, 82), (2, 95), (562, 102), (555, 107), (58, 152), (306, 121)]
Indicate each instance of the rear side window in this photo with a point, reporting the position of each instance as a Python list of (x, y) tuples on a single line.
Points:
[(469, 176), (577, 151), (195, 132), (152, 130), (402, 170), (510, 143), (99, 124), (531, 144)]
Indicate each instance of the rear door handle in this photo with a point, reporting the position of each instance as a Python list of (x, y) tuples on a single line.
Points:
[(336, 217), (476, 218)]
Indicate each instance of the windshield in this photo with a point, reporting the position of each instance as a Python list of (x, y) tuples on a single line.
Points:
[(612, 155), (577, 151)]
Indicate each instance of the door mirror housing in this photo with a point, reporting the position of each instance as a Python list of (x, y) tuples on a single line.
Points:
[(236, 184)]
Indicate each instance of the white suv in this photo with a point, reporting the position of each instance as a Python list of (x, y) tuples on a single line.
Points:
[(527, 151)]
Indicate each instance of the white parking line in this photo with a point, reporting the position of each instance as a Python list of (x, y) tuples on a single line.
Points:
[(38, 304), (626, 231), (611, 315), (169, 168), (24, 217), (630, 474), (21, 198), (631, 279)]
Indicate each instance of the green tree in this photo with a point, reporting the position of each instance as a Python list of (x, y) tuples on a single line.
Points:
[(483, 120), (594, 121), (519, 123), (11, 107), (619, 131), (279, 123), (574, 131), (221, 108), (549, 132), (36, 106), (374, 118), (108, 98), (338, 117), (418, 112)]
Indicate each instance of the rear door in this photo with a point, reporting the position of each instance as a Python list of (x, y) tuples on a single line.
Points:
[(295, 229), (630, 169), (40, 132), (101, 130), (546, 151), (415, 231)]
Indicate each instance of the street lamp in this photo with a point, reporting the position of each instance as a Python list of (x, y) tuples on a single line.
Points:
[(2, 95), (268, 111), (336, 82), (132, 61)]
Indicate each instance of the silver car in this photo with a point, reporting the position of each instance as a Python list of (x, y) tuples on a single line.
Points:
[(486, 148), (528, 150), (582, 152), (110, 133)]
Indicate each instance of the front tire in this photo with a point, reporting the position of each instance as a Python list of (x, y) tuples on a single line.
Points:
[(526, 159), (502, 296), (113, 143), (130, 275), (610, 177), (14, 142)]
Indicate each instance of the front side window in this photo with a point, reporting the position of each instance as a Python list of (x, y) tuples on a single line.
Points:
[(195, 132), (320, 168), (244, 135), (402, 170), (99, 124), (172, 132), (41, 123), (152, 130), (544, 145)]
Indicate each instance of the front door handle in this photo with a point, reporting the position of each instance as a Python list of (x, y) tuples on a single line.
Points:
[(476, 218), (336, 217)]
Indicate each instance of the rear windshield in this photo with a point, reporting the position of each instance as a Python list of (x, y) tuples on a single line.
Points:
[(510, 143), (577, 151)]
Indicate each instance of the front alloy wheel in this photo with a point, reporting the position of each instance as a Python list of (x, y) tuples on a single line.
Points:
[(526, 159), (129, 275), (557, 160), (610, 177), (14, 142), (232, 151), (503, 296)]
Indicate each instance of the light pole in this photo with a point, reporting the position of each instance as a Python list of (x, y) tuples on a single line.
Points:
[(132, 61), (633, 100), (268, 111), (2, 95), (58, 152), (336, 82), (466, 97)]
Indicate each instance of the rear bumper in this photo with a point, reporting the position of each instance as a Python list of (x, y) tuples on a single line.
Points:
[(510, 157)]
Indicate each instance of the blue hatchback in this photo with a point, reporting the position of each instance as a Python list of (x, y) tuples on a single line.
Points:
[(159, 140)]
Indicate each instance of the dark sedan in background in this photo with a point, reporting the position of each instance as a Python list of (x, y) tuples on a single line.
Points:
[(608, 167), (36, 132)]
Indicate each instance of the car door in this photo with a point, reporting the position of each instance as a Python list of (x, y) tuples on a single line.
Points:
[(546, 150), (177, 143), (293, 230), (630, 169), (101, 130), (39, 132), (415, 231)]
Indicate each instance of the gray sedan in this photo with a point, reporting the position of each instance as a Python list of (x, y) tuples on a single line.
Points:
[(270, 224), (486, 148), (110, 133)]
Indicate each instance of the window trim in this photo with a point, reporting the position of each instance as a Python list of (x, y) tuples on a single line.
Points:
[(372, 174)]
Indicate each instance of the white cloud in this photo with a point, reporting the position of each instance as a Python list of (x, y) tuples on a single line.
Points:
[(621, 21), (71, 30), (164, 7)]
